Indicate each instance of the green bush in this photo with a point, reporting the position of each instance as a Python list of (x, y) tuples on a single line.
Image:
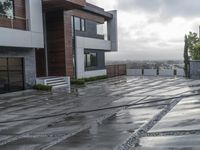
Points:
[(42, 87), (78, 82), (95, 78), (195, 52), (82, 81)]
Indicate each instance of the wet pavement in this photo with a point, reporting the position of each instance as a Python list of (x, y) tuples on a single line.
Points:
[(147, 113)]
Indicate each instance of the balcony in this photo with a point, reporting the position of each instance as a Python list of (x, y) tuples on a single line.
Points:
[(13, 23)]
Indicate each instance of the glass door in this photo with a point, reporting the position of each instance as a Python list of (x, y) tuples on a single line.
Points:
[(3, 75), (11, 74)]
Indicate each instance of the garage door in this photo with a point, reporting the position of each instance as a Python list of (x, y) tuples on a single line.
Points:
[(11, 74)]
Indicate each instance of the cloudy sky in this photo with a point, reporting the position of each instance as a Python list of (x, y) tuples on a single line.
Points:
[(152, 29)]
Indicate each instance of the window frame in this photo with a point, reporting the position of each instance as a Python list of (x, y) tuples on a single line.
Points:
[(86, 60), (81, 24)]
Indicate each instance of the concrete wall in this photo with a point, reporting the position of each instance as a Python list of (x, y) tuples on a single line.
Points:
[(83, 43), (150, 72), (29, 62), (153, 72), (134, 72), (33, 38), (113, 31), (166, 72), (195, 69), (180, 72)]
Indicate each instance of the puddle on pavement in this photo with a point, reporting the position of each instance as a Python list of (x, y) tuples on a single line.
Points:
[(111, 132)]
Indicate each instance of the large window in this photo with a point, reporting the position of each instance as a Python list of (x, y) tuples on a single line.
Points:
[(78, 23), (11, 74), (90, 60), (6, 8)]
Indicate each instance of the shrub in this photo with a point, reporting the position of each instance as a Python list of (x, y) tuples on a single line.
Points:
[(78, 82), (42, 87), (95, 78), (82, 81), (195, 52)]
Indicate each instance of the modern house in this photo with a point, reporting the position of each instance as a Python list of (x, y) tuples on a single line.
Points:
[(44, 38), (21, 31), (75, 41)]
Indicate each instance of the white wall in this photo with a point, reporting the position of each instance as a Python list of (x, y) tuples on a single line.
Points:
[(180, 72), (88, 43), (150, 72), (30, 39), (134, 72), (166, 72)]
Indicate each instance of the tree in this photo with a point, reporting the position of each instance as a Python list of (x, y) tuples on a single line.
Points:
[(192, 41), (5, 7), (196, 52), (186, 57)]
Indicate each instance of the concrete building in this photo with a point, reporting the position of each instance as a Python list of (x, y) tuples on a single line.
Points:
[(45, 38), (75, 39), (21, 32)]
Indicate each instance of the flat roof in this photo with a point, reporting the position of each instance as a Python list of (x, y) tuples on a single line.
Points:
[(49, 5), (97, 10)]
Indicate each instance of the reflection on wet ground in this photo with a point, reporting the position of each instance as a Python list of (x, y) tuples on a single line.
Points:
[(43, 120)]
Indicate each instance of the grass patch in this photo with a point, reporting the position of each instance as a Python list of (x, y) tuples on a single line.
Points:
[(42, 87)]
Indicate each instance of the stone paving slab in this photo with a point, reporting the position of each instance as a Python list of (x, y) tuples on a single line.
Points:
[(112, 132), (189, 142), (92, 130), (185, 116)]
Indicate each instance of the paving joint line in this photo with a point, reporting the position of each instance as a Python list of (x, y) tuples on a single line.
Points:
[(98, 121), (173, 133), (132, 141)]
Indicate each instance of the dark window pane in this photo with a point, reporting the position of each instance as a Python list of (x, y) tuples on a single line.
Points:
[(93, 58), (14, 64), (77, 22), (90, 59), (3, 64), (3, 81), (6, 8), (15, 76)]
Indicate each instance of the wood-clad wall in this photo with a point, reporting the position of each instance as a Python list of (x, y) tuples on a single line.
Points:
[(55, 43)]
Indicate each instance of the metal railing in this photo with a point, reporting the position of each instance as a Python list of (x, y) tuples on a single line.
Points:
[(13, 22)]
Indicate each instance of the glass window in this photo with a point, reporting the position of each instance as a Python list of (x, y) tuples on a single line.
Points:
[(90, 59), (72, 24), (77, 22), (6, 8), (3, 64), (100, 29), (82, 24)]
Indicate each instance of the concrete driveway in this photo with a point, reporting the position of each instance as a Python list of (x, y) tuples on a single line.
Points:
[(147, 113)]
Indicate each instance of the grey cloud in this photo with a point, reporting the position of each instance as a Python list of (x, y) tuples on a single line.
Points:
[(166, 8)]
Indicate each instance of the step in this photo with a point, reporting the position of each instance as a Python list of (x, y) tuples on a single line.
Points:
[(55, 81), (59, 86), (58, 83)]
